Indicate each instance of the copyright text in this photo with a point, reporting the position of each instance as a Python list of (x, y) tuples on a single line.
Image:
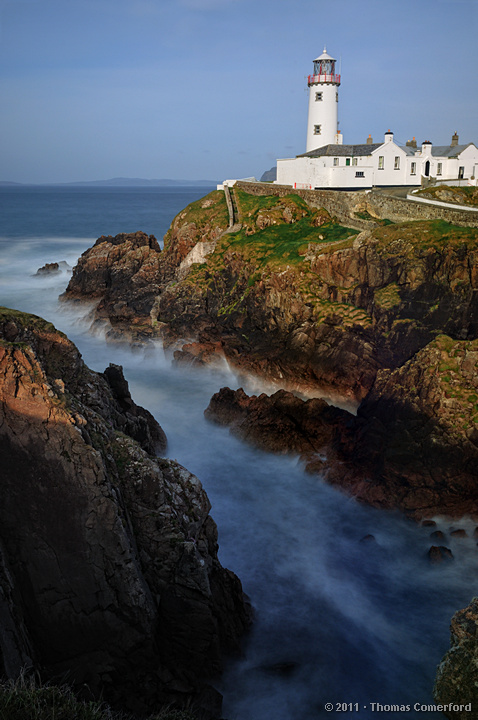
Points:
[(380, 707)]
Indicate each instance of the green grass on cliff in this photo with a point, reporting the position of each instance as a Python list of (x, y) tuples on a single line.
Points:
[(26, 699), (424, 235), (456, 372), (451, 194), (206, 213), (388, 296), (290, 226), (285, 244), (26, 320)]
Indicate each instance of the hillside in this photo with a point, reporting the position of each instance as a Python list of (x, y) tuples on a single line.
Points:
[(309, 304)]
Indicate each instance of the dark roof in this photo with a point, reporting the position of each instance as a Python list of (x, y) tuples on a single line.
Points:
[(448, 150), (333, 150), (342, 150), (409, 150)]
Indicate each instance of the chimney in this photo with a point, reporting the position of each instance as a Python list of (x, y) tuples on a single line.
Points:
[(369, 140), (411, 143), (454, 139)]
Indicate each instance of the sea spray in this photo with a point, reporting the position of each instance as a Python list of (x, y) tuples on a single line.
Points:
[(347, 607)]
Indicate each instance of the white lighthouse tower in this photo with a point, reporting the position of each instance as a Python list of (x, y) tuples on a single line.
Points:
[(322, 126)]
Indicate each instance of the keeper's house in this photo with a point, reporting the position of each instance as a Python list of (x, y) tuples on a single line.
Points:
[(329, 163)]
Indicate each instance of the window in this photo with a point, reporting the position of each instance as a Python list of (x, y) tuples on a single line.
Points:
[(413, 168), (347, 161), (381, 161), (336, 97), (359, 173), (461, 173), (336, 162), (354, 161), (439, 168), (318, 96), (317, 129), (396, 165)]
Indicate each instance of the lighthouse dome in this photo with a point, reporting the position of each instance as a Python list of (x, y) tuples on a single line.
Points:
[(325, 56)]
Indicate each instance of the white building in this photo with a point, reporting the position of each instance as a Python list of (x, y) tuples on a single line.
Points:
[(328, 163), (322, 126)]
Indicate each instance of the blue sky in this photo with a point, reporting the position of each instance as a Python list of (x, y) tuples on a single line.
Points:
[(213, 89)]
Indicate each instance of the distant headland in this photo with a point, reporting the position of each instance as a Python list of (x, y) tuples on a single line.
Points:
[(122, 182)]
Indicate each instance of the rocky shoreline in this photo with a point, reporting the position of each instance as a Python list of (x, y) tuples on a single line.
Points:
[(109, 573), (386, 318), (406, 447)]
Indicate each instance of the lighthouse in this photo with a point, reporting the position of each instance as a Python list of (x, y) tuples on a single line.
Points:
[(322, 126)]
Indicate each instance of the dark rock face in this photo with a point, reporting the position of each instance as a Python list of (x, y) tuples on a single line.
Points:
[(350, 319), (438, 553), (279, 423), (411, 446), (49, 269), (457, 675), (134, 420), (53, 268), (108, 556), (123, 274), (331, 320)]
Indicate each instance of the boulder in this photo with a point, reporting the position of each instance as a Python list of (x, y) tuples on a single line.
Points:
[(49, 269), (438, 553)]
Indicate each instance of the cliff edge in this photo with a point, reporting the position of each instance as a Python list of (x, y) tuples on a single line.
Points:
[(109, 574)]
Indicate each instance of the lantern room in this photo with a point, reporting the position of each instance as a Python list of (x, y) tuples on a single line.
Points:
[(324, 70)]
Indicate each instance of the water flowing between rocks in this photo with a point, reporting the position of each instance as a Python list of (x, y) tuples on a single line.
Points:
[(339, 616)]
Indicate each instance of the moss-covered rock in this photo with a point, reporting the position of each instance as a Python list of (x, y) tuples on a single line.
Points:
[(457, 675)]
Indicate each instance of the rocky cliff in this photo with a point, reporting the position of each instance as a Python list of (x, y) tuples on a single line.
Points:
[(387, 317), (295, 297), (109, 574), (292, 294), (457, 677), (413, 443)]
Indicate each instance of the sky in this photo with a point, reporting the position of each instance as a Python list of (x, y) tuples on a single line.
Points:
[(216, 89)]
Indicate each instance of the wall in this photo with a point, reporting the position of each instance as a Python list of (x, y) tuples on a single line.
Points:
[(343, 205), (322, 112)]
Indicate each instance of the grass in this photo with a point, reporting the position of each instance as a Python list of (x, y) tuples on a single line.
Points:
[(285, 244), (26, 699), (452, 194), (453, 383), (26, 320), (365, 215), (279, 236), (420, 235), (388, 296), (206, 213)]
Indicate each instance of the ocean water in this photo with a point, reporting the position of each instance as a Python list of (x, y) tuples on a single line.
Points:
[(338, 619)]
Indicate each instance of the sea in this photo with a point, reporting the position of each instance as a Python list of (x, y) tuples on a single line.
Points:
[(346, 625)]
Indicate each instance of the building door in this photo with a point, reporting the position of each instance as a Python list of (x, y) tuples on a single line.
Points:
[(427, 168), (461, 173)]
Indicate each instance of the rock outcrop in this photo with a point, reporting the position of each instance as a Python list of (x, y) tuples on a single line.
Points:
[(413, 444), (298, 299), (281, 423), (457, 676), (122, 274), (290, 295), (53, 268), (109, 574)]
